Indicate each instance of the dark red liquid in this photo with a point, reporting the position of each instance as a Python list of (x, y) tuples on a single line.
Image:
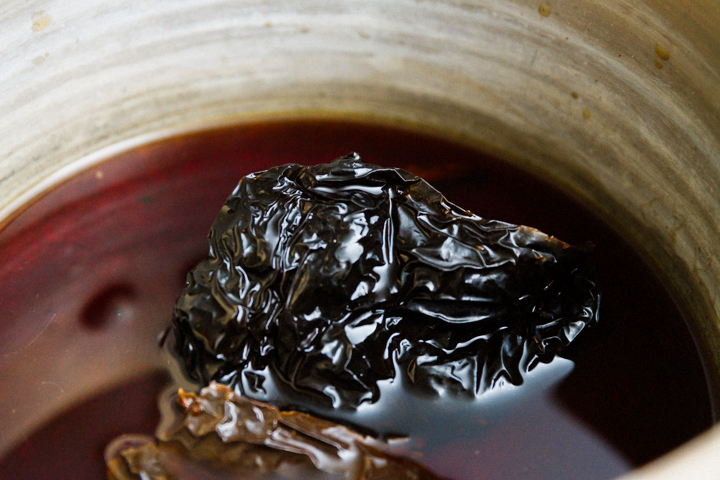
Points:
[(637, 389)]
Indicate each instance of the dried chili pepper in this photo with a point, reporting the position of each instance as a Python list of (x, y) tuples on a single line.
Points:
[(322, 281)]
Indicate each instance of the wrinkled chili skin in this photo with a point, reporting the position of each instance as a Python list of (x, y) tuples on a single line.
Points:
[(323, 280)]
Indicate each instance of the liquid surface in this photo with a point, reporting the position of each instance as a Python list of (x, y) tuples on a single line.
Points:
[(634, 390)]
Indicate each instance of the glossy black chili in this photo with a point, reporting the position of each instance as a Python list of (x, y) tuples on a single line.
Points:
[(323, 280)]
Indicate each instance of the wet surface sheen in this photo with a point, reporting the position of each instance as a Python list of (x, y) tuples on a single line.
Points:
[(634, 390), (322, 281)]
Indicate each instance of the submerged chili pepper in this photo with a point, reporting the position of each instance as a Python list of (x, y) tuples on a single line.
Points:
[(322, 281), (221, 435)]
